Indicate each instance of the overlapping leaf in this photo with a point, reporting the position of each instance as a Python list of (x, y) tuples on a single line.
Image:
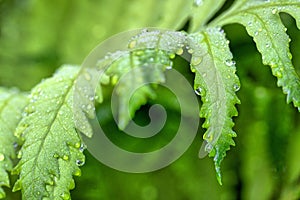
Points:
[(12, 104), (263, 23), (51, 152), (216, 82), (141, 67)]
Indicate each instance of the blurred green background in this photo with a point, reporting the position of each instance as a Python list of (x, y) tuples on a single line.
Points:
[(36, 37)]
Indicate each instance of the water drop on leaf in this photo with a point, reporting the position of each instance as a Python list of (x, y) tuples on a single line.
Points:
[(65, 157), (2, 157), (79, 162), (236, 87), (230, 63), (198, 3)]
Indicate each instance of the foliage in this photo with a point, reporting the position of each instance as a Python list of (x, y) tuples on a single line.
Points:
[(51, 149)]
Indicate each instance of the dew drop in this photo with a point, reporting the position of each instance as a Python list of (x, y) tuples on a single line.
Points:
[(65, 196), (55, 155), (89, 107), (250, 23), (230, 63), (198, 3), (179, 51), (79, 162), (190, 51), (199, 91), (196, 60), (72, 185), (77, 172), (255, 33), (77, 145), (274, 11), (19, 156), (208, 147), (65, 157), (87, 76), (114, 79), (15, 144), (132, 44), (267, 45), (168, 67), (82, 147), (278, 74), (172, 56), (236, 87), (2, 157)]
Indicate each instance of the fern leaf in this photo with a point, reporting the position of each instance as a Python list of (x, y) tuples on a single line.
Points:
[(262, 22), (141, 67), (12, 104), (216, 82), (51, 151)]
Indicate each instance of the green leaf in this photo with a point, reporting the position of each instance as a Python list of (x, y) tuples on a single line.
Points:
[(12, 104), (262, 22), (136, 71), (216, 82), (52, 151)]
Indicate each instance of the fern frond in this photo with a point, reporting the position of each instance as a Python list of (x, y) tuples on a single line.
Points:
[(216, 82), (139, 68), (51, 152), (263, 23), (12, 104)]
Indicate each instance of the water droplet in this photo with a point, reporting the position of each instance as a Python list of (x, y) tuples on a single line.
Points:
[(82, 147), (179, 51), (65, 196), (87, 76), (196, 60), (72, 185), (168, 67), (91, 98), (274, 11), (2, 157), (15, 145), (19, 156), (114, 79), (20, 130), (278, 74), (79, 162), (230, 63), (29, 109), (65, 157), (172, 56), (89, 107), (236, 87), (132, 44), (190, 51), (77, 172), (250, 23), (55, 155), (267, 45), (255, 33), (208, 147), (77, 145), (198, 3), (199, 91)]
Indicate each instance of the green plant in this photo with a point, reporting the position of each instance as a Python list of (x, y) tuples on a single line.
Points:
[(51, 150)]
